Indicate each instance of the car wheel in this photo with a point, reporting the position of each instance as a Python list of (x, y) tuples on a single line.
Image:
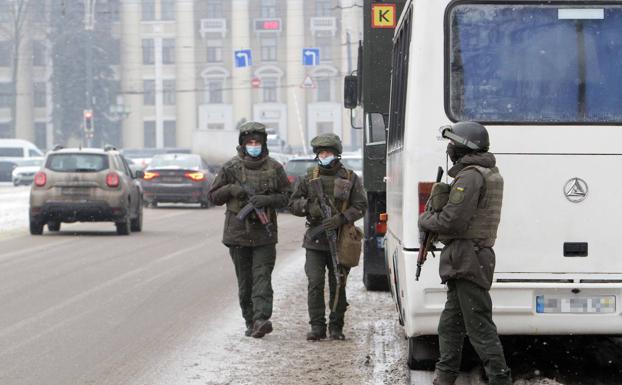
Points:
[(54, 226), (16, 183), (154, 204), (124, 227), (36, 226), (137, 223), (204, 204)]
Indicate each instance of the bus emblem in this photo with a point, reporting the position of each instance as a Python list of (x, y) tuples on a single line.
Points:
[(576, 190)]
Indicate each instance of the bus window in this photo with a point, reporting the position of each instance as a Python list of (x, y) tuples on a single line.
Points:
[(569, 69)]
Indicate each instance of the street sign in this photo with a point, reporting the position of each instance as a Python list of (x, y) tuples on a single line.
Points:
[(383, 15), (310, 56), (243, 58), (255, 82), (308, 82)]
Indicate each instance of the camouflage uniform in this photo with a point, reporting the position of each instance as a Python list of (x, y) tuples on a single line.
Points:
[(251, 245), (338, 185), (467, 225)]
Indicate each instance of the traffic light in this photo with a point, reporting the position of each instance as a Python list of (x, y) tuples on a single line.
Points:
[(88, 121)]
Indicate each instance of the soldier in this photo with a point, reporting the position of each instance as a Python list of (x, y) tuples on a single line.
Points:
[(252, 177), (467, 225), (339, 186)]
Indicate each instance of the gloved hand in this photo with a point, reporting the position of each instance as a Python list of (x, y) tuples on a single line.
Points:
[(334, 222), (236, 191), (261, 200), (314, 209)]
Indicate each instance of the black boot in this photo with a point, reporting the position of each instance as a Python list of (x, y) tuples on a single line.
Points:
[(317, 333), (261, 328), (249, 328), (336, 333)]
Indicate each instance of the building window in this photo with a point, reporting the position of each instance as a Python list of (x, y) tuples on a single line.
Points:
[(148, 10), (167, 10), (112, 10), (5, 95), (5, 128), (115, 52), (215, 126), (214, 51), (214, 9), (168, 92), (149, 92), (168, 51), (323, 90), (149, 137), (170, 133), (41, 134), (37, 10), (325, 44), (214, 91), (269, 86), (5, 52), (268, 8), (268, 49), (40, 94), (148, 51), (38, 53), (323, 8)]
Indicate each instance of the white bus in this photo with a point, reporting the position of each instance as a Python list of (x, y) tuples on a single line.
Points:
[(545, 77)]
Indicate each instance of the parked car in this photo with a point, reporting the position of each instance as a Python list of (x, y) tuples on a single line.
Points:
[(142, 156), (177, 178), (11, 152), (86, 185), (25, 171)]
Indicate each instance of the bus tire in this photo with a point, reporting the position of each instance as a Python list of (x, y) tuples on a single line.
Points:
[(422, 352)]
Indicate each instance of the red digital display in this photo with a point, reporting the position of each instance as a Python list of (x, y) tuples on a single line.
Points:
[(271, 25)]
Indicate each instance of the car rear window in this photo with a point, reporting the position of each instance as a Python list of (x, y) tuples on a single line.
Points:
[(176, 161), (299, 167), (16, 152), (77, 162)]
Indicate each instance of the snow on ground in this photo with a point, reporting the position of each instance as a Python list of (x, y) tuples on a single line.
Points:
[(374, 351), (13, 207)]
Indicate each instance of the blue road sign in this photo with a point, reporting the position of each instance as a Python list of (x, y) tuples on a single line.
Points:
[(310, 56), (243, 58)]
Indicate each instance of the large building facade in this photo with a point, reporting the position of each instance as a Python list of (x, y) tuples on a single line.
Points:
[(191, 71)]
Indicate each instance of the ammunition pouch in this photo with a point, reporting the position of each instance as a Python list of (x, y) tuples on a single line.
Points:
[(342, 189), (349, 244)]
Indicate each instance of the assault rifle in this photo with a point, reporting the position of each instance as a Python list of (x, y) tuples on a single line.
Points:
[(428, 237), (261, 213), (316, 185)]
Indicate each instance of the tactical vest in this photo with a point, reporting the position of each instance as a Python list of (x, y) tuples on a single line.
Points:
[(486, 220), (262, 181), (328, 187)]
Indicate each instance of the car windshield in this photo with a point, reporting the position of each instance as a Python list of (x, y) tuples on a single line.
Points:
[(569, 68), (297, 167), (15, 152), (176, 161), (77, 162)]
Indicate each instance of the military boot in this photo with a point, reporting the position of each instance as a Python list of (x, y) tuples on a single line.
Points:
[(317, 333), (443, 378), (336, 333), (261, 328), (249, 328)]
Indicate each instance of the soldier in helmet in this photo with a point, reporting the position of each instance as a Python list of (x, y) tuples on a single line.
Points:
[(342, 189), (467, 225), (252, 176)]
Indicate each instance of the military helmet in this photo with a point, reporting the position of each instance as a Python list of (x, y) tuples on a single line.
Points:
[(252, 128), (471, 135), (327, 142)]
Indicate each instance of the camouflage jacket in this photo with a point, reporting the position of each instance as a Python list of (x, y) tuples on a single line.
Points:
[(338, 185), (265, 176)]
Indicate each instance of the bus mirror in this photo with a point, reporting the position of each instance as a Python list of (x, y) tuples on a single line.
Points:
[(350, 92)]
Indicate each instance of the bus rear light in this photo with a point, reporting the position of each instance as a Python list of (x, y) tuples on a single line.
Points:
[(149, 175), (112, 179), (40, 179), (291, 179), (425, 190), (381, 226), (195, 176)]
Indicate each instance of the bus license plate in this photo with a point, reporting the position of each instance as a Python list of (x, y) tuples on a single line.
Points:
[(577, 305)]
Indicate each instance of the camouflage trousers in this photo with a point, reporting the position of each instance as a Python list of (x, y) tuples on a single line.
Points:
[(468, 311), (253, 268), (317, 262)]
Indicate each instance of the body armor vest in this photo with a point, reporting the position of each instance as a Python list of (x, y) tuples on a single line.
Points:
[(329, 189), (262, 181), (486, 220)]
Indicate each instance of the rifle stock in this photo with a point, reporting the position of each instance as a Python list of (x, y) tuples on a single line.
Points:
[(428, 238)]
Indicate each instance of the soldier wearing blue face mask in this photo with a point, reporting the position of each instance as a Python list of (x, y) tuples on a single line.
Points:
[(344, 193), (251, 246)]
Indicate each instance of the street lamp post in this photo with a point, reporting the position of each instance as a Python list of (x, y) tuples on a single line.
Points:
[(89, 26)]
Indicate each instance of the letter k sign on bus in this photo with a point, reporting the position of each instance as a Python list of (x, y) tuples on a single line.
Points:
[(383, 15)]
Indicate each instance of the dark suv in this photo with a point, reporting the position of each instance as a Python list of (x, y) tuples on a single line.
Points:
[(86, 185)]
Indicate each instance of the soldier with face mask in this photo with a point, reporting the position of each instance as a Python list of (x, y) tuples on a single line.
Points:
[(467, 225), (252, 176), (342, 189)]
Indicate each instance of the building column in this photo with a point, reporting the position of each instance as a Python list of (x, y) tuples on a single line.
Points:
[(296, 96), (185, 78), (24, 112), (131, 73), (241, 77)]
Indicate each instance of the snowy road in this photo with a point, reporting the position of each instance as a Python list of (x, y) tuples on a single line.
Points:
[(13, 207)]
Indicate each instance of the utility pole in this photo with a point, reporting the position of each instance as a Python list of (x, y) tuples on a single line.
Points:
[(89, 26)]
